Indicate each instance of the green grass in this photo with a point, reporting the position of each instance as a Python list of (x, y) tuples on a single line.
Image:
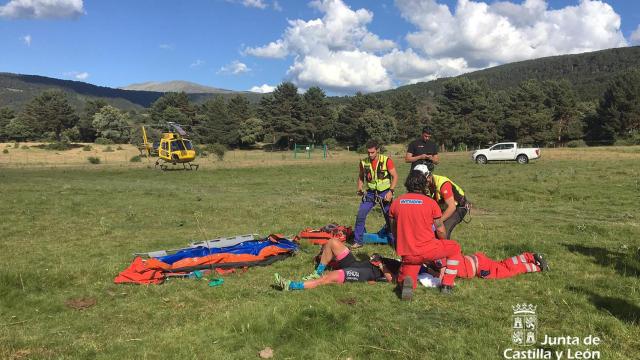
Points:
[(67, 233)]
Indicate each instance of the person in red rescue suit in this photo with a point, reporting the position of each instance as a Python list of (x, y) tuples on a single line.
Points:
[(413, 216), (378, 173), (480, 265)]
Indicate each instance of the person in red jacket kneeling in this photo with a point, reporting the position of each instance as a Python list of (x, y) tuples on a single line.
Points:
[(413, 217)]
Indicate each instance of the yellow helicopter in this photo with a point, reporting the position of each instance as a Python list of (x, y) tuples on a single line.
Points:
[(173, 148)]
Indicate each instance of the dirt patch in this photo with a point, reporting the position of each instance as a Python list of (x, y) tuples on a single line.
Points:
[(31, 353), (266, 353), (348, 301), (480, 211), (80, 303)]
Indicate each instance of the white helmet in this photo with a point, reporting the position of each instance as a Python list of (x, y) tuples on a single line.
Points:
[(423, 168)]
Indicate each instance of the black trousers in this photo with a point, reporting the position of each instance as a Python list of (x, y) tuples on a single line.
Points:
[(454, 220)]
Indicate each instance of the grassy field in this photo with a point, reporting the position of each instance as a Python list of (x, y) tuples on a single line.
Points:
[(67, 230)]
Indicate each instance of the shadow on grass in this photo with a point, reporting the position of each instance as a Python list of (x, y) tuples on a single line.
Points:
[(622, 309), (312, 320), (625, 263)]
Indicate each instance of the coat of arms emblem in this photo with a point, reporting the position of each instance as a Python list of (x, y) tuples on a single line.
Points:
[(525, 324)]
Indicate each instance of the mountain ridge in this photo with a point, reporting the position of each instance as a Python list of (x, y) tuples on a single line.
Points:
[(177, 86)]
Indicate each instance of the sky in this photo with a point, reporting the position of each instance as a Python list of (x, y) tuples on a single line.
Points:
[(342, 46)]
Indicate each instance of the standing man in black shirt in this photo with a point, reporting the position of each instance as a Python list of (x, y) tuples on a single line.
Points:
[(423, 151)]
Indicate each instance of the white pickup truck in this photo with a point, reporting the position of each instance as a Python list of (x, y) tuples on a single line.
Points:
[(504, 152)]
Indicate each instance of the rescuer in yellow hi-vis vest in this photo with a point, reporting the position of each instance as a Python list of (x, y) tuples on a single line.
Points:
[(449, 196), (377, 179)]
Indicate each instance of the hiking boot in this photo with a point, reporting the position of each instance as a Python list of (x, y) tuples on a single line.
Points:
[(541, 262), (407, 289), (314, 275), (446, 290), (281, 283)]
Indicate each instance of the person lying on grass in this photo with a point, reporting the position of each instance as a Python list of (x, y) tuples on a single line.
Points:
[(345, 268), (480, 265)]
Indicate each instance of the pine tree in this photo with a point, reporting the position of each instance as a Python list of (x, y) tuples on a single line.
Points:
[(282, 113), (319, 118), (85, 124), (467, 113), (211, 121), (179, 101), (379, 126), (238, 110), (6, 115), (404, 107), (618, 111), (527, 119), (562, 101), (350, 127), (49, 112)]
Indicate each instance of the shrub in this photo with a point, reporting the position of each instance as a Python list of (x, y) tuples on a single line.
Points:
[(103, 141), (87, 148), (199, 151), (217, 149), (107, 149), (94, 159), (576, 143), (331, 143), (136, 158), (16, 145), (25, 147), (58, 146), (633, 139), (119, 148), (5, 151)]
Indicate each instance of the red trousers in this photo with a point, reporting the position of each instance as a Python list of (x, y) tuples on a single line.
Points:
[(482, 266), (438, 249)]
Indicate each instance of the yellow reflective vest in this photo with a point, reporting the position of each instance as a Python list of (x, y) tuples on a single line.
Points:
[(458, 193), (378, 179)]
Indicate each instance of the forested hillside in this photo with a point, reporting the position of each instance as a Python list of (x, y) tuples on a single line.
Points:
[(588, 73)]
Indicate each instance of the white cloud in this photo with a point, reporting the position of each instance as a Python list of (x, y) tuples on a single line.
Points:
[(235, 68), (27, 40), (635, 36), (336, 51), (42, 9), (77, 75), (276, 6), (263, 89), (254, 3), (503, 32), (275, 49), (260, 4), (409, 67), (82, 75), (197, 63), (166, 46), (341, 71)]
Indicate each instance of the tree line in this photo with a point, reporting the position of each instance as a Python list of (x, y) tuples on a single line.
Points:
[(466, 114)]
